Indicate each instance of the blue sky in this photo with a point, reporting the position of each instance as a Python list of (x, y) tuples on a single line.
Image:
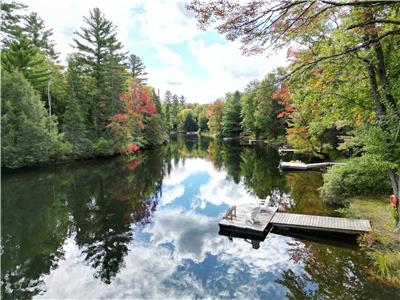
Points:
[(179, 57)]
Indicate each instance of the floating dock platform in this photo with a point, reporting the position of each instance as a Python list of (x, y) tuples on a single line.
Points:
[(238, 221), (303, 166)]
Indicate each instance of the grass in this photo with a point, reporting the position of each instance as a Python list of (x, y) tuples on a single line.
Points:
[(383, 244), (380, 213)]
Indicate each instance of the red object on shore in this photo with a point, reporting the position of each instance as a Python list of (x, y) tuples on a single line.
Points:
[(393, 201)]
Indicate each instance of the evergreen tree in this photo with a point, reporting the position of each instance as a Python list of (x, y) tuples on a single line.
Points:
[(182, 102), (21, 55), (167, 108), (157, 102), (231, 117), (74, 127), (28, 135), (38, 36), (190, 123), (174, 112), (100, 54), (10, 21), (137, 68), (154, 133)]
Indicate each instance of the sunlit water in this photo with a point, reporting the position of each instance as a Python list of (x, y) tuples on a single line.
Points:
[(148, 228)]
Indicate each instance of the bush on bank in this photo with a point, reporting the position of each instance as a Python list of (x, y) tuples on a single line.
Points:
[(366, 175)]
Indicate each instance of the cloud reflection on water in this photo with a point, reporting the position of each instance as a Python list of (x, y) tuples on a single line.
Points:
[(184, 256)]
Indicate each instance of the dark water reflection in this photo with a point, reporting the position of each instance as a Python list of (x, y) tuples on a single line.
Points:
[(148, 228)]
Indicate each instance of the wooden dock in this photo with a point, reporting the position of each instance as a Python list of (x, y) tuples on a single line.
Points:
[(283, 165), (237, 220), (282, 150), (320, 223)]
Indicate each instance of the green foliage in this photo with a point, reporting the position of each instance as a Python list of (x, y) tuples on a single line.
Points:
[(21, 55), (74, 128), (231, 117), (190, 123), (202, 121), (100, 56), (103, 147), (395, 215), (28, 135), (10, 21), (215, 118), (366, 175), (167, 109), (137, 68), (154, 133), (39, 36), (387, 265), (248, 105), (175, 108)]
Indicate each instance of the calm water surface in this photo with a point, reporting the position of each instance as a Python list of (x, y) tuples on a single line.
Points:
[(148, 228)]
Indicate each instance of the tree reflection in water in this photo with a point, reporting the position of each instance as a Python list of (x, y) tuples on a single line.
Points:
[(100, 204)]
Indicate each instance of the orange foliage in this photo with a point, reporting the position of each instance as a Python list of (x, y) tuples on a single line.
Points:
[(282, 95)]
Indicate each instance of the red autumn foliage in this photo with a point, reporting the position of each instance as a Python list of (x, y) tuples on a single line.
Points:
[(133, 147), (282, 95), (134, 165), (137, 105)]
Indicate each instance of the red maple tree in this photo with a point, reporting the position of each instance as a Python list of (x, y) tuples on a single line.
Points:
[(137, 103)]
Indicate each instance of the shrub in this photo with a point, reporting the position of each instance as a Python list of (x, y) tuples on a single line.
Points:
[(386, 265), (103, 147), (366, 175)]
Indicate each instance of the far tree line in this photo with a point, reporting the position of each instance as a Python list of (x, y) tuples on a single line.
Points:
[(259, 112)]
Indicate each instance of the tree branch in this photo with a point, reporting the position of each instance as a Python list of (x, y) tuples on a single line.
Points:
[(373, 22), (363, 3), (348, 51)]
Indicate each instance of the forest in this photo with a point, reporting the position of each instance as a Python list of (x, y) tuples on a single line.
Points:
[(340, 91)]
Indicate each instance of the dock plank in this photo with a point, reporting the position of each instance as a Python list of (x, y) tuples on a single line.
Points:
[(303, 166), (322, 223)]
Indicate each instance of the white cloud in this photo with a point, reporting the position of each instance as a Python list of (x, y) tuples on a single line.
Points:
[(166, 22), (184, 169), (169, 57), (171, 194), (157, 25), (153, 271)]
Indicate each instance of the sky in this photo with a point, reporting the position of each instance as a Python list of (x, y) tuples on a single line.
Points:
[(201, 65)]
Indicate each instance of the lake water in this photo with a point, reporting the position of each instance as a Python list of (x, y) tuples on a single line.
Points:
[(148, 228)]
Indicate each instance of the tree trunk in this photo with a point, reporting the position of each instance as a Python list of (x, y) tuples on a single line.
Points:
[(395, 179), (384, 81), (380, 109)]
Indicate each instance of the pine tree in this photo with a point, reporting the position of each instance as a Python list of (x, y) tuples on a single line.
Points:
[(157, 102), (174, 112), (28, 135), (231, 118), (10, 21), (21, 55), (100, 54), (137, 68), (190, 123), (167, 108), (74, 127), (182, 102), (38, 36)]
